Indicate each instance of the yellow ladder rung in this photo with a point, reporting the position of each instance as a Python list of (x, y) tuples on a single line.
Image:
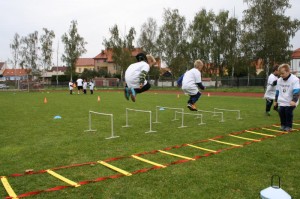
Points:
[(62, 178), (244, 138), (204, 149), (173, 154), (8, 188), (253, 132), (227, 143), (274, 130), (148, 161), (296, 124), (115, 168)]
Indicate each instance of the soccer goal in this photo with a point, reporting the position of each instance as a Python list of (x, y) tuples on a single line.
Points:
[(143, 111), (175, 114), (104, 114)]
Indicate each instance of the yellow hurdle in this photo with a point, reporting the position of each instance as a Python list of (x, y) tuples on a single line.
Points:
[(148, 161), (243, 138), (62, 178), (227, 143), (8, 188), (114, 168), (253, 132), (201, 148), (173, 154)]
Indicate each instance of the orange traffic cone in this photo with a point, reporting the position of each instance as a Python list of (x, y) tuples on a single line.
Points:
[(98, 99), (208, 95), (45, 100)]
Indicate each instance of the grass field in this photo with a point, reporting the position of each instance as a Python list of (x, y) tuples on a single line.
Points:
[(32, 139)]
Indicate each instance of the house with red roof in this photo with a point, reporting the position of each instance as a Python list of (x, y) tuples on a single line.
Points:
[(295, 62), (15, 74), (84, 63), (104, 60), (54, 71)]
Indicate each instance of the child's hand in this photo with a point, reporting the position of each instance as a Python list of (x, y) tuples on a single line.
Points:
[(292, 103)]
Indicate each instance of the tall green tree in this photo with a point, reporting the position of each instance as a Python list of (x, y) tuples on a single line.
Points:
[(268, 30), (29, 52), (200, 31), (172, 41), (74, 47), (148, 37), (121, 47), (46, 41)]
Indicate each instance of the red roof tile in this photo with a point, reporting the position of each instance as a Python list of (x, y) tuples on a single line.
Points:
[(107, 54), (85, 62), (14, 72), (296, 54)]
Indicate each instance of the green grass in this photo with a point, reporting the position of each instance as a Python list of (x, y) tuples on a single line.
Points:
[(32, 139)]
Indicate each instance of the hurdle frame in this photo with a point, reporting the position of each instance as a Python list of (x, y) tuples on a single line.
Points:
[(231, 110), (111, 121), (175, 118), (196, 114), (214, 114), (136, 110)]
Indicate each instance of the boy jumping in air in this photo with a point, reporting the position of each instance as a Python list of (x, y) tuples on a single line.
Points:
[(135, 76), (191, 82)]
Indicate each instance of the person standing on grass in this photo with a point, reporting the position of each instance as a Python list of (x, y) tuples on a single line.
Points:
[(191, 82), (286, 97), (71, 87), (79, 82), (91, 84), (271, 89), (135, 76), (84, 86)]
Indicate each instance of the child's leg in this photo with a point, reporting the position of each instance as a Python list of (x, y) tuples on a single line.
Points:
[(282, 115), (194, 98), (269, 104), (289, 116)]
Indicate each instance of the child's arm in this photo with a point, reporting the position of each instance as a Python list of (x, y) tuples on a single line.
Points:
[(200, 85)]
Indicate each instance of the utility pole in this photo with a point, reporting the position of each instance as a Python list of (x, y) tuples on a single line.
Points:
[(57, 63)]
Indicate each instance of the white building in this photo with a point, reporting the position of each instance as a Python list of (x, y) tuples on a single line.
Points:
[(295, 62)]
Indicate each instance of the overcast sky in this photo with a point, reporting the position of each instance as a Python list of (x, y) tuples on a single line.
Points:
[(95, 17)]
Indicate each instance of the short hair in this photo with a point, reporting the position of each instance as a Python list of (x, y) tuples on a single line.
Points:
[(150, 57), (286, 67), (141, 57), (198, 63), (275, 68)]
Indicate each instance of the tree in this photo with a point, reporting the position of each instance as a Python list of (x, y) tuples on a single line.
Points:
[(268, 30), (200, 31), (46, 41), (74, 47), (121, 47), (15, 47), (172, 41), (29, 52), (148, 37)]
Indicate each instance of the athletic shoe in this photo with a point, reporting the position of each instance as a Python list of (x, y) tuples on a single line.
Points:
[(287, 129), (126, 93), (268, 114), (132, 94), (282, 128), (192, 107)]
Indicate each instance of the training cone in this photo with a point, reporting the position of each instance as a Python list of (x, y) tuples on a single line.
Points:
[(177, 95), (98, 99), (45, 100), (208, 95)]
